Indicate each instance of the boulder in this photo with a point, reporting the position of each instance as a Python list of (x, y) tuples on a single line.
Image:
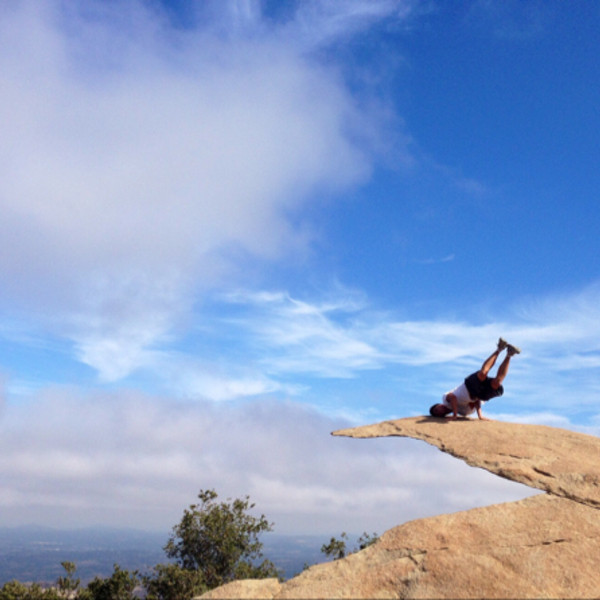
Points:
[(246, 589)]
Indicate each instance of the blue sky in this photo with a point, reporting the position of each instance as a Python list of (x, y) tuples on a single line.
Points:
[(231, 227)]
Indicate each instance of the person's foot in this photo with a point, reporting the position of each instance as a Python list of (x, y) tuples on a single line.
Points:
[(502, 343), (512, 350)]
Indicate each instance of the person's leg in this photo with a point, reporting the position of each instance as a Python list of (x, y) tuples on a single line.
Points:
[(454, 403), (489, 362), (503, 368)]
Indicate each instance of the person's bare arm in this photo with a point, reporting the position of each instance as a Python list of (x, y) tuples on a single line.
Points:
[(479, 414)]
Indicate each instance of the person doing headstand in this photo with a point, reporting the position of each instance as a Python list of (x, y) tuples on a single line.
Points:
[(477, 387)]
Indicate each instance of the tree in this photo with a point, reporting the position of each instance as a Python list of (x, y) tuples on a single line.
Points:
[(171, 582), (67, 584), (15, 590), (119, 586), (336, 548), (365, 540), (220, 540)]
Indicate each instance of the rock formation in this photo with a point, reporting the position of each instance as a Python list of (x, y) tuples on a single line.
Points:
[(544, 546), (561, 462)]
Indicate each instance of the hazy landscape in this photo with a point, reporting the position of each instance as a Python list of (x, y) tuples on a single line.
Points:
[(34, 554)]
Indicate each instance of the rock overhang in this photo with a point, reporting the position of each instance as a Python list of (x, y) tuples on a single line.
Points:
[(558, 461)]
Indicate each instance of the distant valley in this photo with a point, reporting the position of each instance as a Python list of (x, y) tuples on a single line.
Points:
[(30, 554)]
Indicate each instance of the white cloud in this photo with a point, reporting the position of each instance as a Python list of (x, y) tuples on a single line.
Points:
[(321, 22), (203, 380), (433, 261)]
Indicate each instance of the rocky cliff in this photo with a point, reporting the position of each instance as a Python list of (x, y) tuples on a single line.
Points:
[(544, 546)]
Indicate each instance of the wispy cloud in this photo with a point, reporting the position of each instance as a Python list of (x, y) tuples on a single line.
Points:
[(321, 22), (306, 337), (433, 261), (545, 328), (283, 340)]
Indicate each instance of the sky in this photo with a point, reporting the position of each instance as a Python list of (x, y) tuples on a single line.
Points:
[(231, 227)]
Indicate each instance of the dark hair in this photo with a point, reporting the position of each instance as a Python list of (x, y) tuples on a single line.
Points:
[(439, 410)]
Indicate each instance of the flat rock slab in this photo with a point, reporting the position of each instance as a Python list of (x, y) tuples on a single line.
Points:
[(558, 461)]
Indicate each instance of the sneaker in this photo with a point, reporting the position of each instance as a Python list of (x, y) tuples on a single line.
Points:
[(502, 343), (512, 350)]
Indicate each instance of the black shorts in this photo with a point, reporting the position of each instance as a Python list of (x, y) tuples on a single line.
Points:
[(482, 390)]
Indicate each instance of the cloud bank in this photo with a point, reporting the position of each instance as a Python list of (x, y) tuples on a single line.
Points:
[(138, 461)]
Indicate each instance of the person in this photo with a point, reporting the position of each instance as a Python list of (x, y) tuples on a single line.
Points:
[(477, 387)]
